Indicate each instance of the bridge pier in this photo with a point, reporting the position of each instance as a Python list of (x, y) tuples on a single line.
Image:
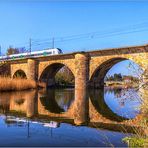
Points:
[(81, 82), (32, 69), (32, 104)]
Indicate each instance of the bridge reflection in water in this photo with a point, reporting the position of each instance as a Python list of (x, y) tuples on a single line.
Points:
[(61, 106)]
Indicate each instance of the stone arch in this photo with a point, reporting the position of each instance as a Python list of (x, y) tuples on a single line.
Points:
[(19, 73), (48, 73), (99, 73)]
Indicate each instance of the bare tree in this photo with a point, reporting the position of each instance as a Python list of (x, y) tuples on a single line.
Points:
[(12, 50)]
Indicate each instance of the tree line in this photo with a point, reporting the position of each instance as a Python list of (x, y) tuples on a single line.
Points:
[(120, 77), (12, 50)]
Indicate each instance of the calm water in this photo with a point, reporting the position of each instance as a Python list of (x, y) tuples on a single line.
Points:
[(45, 128)]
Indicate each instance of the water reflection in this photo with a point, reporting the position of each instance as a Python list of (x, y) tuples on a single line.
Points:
[(117, 104), (97, 98), (4, 102), (14, 121), (64, 98), (31, 133), (56, 101), (124, 102), (47, 109), (47, 99)]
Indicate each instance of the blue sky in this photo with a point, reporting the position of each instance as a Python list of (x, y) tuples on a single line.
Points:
[(75, 25)]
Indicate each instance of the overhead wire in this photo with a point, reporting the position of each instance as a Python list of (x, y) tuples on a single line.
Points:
[(144, 24), (140, 27)]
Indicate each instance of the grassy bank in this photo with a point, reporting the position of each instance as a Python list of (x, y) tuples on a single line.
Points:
[(8, 84)]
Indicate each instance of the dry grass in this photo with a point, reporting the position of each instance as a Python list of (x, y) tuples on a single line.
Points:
[(8, 84)]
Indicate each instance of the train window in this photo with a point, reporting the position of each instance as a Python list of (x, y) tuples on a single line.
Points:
[(44, 53), (21, 56), (49, 52), (60, 51), (38, 54), (13, 58)]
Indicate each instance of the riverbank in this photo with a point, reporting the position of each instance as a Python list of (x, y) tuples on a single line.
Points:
[(116, 86), (61, 86), (8, 84)]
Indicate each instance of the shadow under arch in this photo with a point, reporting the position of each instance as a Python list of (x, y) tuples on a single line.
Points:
[(98, 101), (97, 78), (20, 74), (48, 74), (47, 98)]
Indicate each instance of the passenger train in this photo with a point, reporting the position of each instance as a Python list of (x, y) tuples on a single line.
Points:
[(45, 52)]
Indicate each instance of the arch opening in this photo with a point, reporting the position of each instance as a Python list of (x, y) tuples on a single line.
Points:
[(57, 75), (20, 74), (119, 84), (97, 78), (57, 100)]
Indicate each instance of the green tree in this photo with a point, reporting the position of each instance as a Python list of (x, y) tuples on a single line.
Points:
[(64, 77)]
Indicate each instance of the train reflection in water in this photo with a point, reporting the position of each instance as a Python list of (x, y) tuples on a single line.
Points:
[(20, 121)]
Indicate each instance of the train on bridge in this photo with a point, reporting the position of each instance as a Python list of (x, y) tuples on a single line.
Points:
[(46, 52)]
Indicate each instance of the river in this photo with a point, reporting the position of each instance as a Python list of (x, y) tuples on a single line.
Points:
[(41, 118)]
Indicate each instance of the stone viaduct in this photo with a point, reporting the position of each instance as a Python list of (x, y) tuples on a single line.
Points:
[(89, 68)]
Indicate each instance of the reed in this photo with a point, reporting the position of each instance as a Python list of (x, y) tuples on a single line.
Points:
[(8, 84)]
